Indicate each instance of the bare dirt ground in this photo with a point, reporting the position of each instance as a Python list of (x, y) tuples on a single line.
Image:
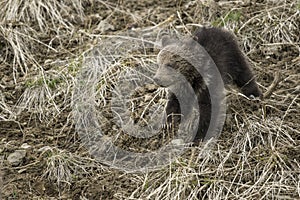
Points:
[(42, 48)]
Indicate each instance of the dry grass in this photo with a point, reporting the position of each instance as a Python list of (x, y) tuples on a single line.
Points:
[(254, 166), (43, 46)]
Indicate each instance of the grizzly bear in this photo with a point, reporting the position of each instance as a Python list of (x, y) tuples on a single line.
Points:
[(220, 49)]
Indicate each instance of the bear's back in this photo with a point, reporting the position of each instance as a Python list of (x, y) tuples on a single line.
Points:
[(221, 45)]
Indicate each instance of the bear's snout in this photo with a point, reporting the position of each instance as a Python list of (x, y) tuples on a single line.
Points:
[(158, 81)]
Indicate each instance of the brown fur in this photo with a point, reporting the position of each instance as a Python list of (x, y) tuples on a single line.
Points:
[(225, 53)]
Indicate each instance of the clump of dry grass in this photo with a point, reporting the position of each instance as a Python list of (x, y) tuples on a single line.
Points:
[(48, 93), (41, 12), (63, 167), (24, 24)]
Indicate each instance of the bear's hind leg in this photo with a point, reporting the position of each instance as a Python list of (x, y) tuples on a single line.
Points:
[(246, 81)]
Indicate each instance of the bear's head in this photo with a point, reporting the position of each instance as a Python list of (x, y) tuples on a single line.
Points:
[(181, 61)]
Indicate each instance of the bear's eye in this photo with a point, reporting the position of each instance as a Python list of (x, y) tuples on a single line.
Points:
[(168, 65)]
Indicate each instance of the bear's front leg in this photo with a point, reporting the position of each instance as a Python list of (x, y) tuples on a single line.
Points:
[(204, 120), (173, 110)]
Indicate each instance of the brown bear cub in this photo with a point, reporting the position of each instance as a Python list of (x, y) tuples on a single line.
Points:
[(223, 51)]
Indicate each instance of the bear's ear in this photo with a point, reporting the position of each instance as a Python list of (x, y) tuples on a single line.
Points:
[(166, 40)]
